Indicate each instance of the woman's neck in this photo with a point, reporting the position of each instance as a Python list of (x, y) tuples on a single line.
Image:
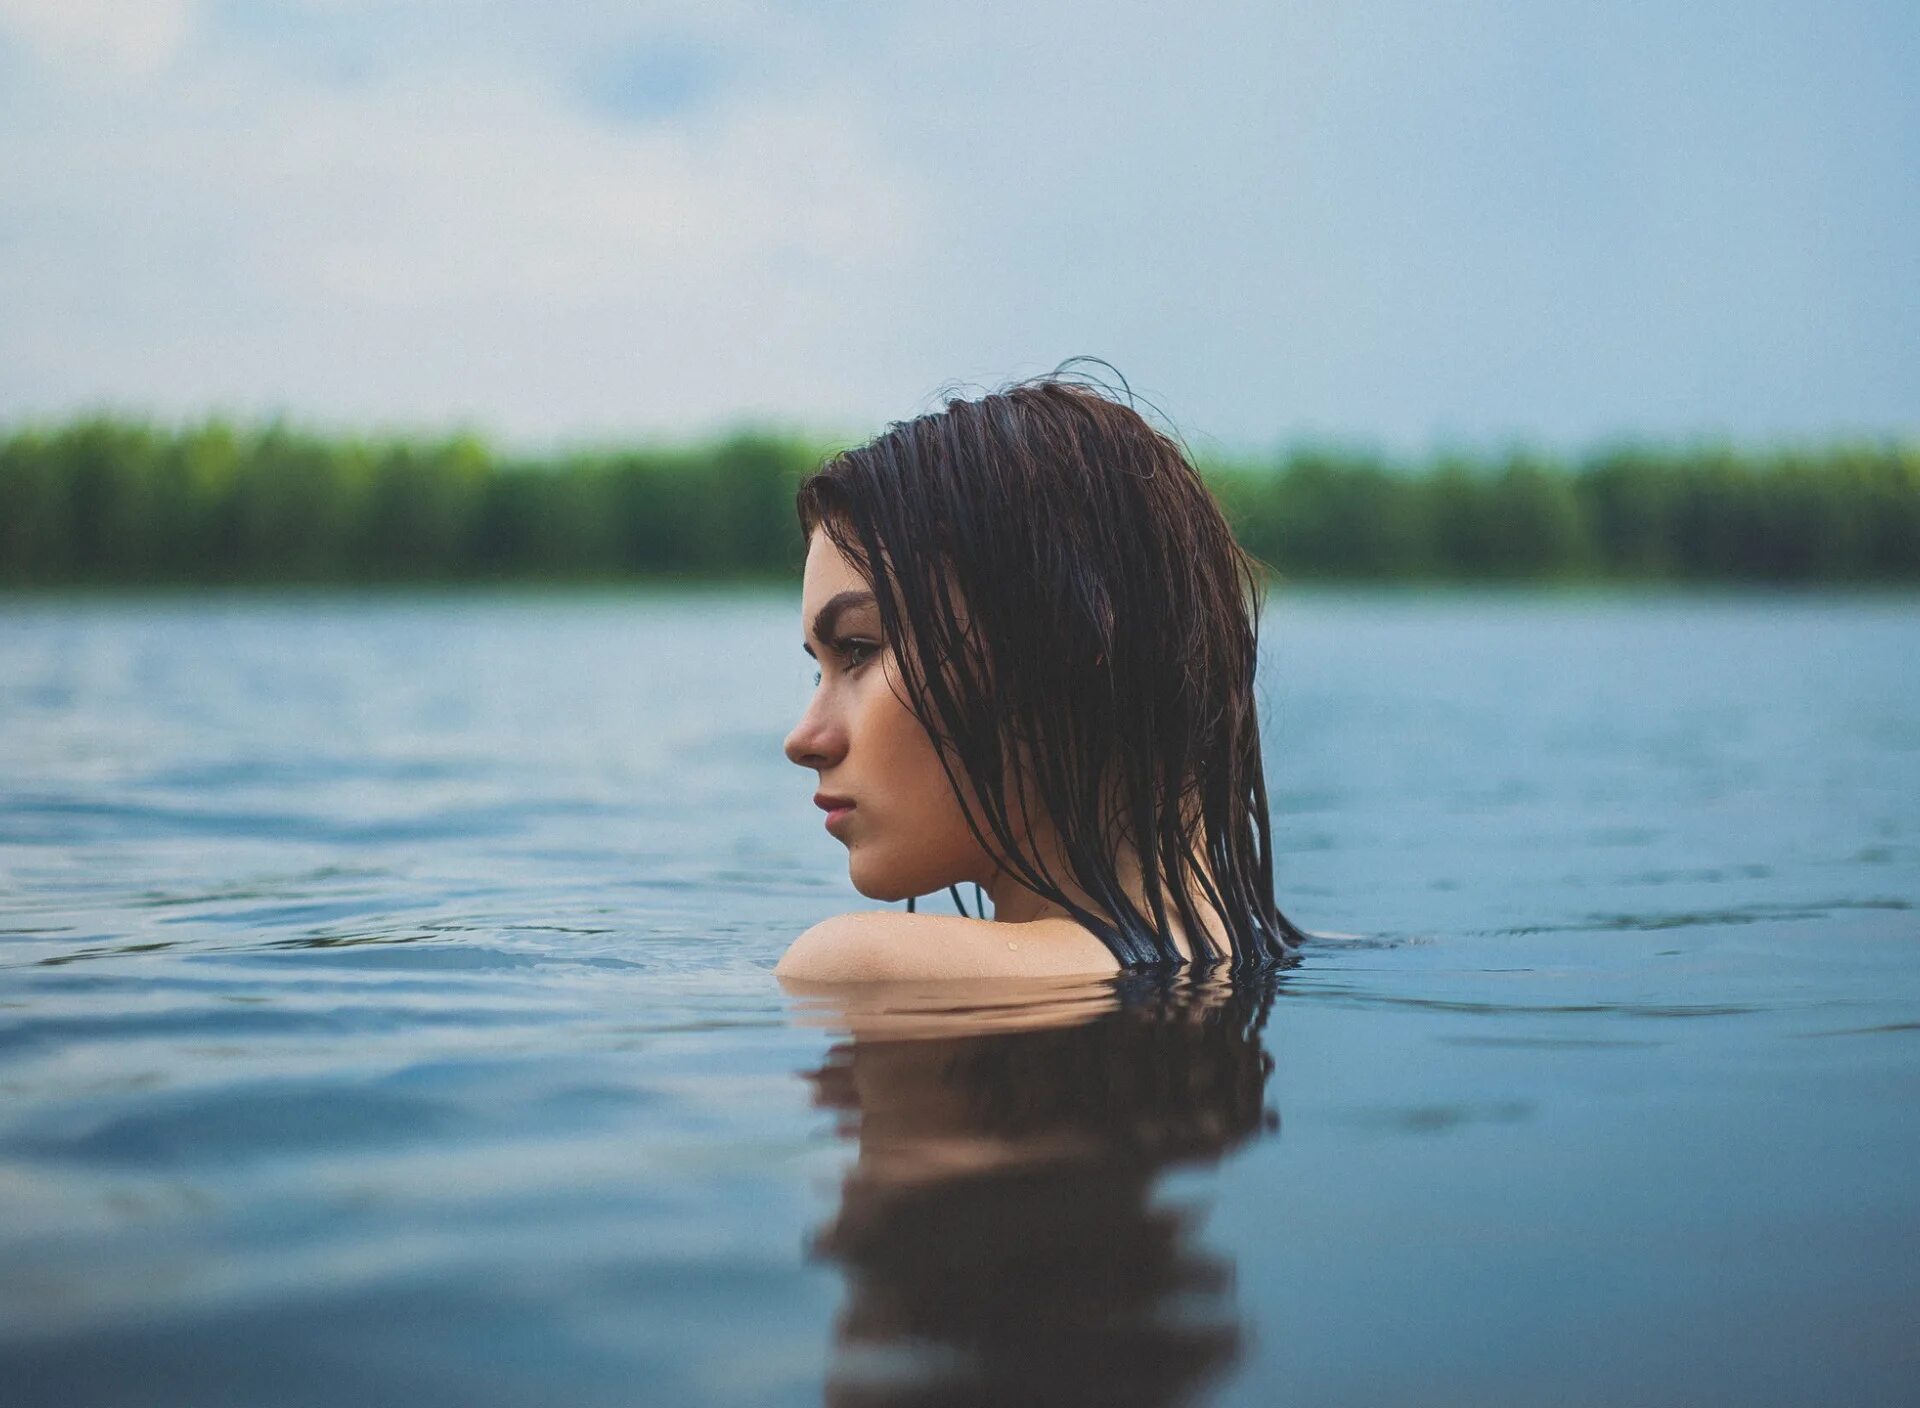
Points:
[(1015, 903)]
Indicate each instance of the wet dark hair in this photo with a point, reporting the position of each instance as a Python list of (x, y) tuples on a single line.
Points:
[(1106, 653)]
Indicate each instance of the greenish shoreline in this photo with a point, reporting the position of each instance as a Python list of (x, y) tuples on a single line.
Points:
[(105, 502)]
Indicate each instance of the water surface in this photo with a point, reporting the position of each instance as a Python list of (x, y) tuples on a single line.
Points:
[(386, 1016)]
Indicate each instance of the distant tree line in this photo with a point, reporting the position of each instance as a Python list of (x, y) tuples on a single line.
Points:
[(112, 501), (1838, 513)]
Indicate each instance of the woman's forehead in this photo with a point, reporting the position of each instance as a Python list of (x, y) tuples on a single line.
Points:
[(828, 571), (828, 575), (831, 578)]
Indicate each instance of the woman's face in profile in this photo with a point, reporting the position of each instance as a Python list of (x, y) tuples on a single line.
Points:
[(905, 833)]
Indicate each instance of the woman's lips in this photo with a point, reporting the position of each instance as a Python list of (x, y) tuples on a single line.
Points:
[(836, 808)]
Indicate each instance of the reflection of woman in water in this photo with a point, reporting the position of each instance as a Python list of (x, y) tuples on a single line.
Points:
[(997, 1233), (1036, 638)]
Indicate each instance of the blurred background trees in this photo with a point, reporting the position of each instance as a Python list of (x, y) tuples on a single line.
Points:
[(114, 501)]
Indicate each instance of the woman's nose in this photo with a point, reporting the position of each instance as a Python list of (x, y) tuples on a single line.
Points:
[(816, 741)]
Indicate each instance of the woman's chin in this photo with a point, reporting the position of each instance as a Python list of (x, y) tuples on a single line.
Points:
[(883, 894), (881, 884)]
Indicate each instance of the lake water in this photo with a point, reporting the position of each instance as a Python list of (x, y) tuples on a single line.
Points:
[(387, 1017)]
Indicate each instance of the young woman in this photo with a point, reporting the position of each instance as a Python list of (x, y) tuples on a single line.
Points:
[(1036, 639)]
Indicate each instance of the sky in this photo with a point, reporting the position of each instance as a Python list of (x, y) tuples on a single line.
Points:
[(1404, 223)]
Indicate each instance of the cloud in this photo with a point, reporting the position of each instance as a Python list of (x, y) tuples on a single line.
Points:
[(113, 39), (1371, 217), (441, 241)]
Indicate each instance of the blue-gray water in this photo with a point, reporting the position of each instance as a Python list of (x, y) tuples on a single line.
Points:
[(387, 1017)]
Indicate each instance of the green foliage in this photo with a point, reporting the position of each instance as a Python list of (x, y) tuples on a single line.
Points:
[(102, 500), (1842, 513)]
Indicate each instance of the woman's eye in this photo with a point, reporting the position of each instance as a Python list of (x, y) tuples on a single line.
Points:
[(854, 654)]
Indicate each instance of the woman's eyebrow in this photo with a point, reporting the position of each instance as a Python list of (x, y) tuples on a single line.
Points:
[(836, 607)]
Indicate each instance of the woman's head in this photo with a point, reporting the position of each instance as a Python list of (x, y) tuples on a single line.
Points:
[(1037, 641)]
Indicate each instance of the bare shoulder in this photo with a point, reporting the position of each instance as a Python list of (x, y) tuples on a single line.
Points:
[(885, 945)]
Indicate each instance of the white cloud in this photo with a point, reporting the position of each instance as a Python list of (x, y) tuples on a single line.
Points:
[(450, 242), (91, 39), (1352, 216)]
